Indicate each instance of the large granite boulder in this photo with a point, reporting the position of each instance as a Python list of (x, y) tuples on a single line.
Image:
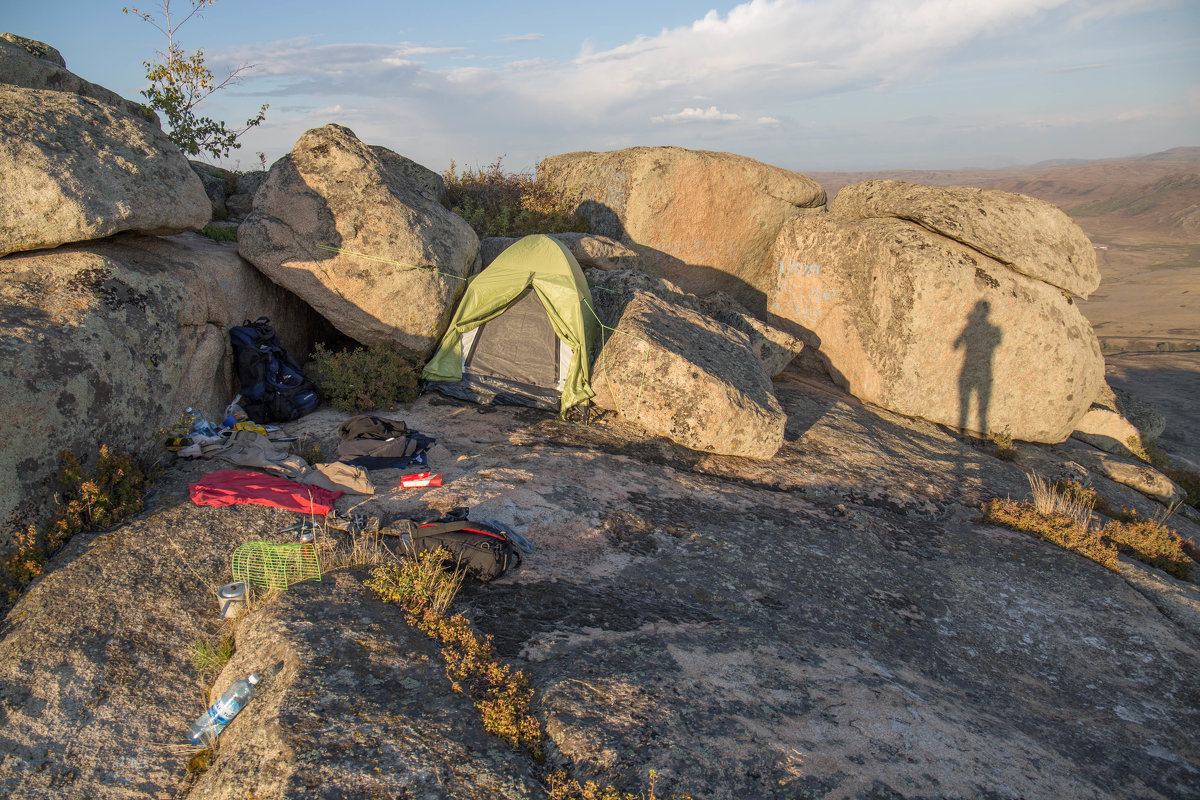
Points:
[(362, 242), (704, 220), (76, 169), (925, 326), (682, 375), (31, 64), (107, 341), (1028, 235)]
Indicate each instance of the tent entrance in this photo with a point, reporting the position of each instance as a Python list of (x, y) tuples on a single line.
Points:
[(514, 358), (519, 345)]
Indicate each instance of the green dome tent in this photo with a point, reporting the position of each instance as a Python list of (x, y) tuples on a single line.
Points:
[(523, 332)]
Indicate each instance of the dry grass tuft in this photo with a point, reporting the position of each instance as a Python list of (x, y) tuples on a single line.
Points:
[(1152, 542), (497, 202), (1054, 517), (1063, 514), (504, 697), (209, 657), (560, 787)]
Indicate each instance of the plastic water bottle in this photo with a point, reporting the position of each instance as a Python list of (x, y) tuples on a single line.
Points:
[(199, 424), (205, 729)]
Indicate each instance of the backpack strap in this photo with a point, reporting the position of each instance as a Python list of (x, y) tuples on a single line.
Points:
[(464, 525)]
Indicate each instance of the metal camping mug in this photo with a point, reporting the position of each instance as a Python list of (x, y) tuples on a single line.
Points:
[(232, 598)]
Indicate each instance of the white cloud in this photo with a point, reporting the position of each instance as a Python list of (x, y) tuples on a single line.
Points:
[(1077, 68), (806, 60), (529, 63), (711, 114)]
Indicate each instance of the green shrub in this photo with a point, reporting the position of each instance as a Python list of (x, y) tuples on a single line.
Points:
[(1006, 450), (365, 379), (220, 233), (499, 203), (109, 495)]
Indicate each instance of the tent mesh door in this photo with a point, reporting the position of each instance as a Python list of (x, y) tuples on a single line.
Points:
[(519, 345)]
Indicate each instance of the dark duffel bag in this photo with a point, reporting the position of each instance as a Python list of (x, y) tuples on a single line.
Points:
[(373, 442), (483, 551)]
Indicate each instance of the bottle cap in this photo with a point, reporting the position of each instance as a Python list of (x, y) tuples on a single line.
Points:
[(253, 679)]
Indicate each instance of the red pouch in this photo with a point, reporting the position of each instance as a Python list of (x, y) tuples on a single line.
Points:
[(420, 480)]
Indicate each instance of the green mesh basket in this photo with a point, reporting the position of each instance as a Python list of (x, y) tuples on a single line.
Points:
[(275, 566)]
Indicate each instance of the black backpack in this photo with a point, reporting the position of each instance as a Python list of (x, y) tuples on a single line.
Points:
[(273, 387)]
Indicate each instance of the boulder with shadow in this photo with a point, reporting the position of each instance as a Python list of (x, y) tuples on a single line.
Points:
[(1028, 235), (590, 250), (704, 220), (106, 341), (359, 239), (923, 325), (1118, 422), (76, 169), (678, 373)]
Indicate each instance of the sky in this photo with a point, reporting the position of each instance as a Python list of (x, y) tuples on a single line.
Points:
[(810, 85)]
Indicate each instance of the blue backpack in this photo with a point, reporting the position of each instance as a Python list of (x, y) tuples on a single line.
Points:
[(273, 387)]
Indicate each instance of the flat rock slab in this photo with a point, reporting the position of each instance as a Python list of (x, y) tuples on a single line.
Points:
[(827, 623)]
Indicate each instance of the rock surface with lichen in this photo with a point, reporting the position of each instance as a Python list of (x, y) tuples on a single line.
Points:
[(831, 622)]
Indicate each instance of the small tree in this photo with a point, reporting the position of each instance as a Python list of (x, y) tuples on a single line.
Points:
[(180, 81)]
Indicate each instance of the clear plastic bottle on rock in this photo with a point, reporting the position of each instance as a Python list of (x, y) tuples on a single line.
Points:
[(199, 424), (205, 729)]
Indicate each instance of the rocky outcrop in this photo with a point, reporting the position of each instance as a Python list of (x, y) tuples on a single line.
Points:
[(775, 348), (422, 178), (689, 378), (359, 241), (705, 221), (1028, 235), (1117, 422), (107, 341), (682, 612), (1126, 471), (930, 328), (76, 169), (31, 64), (591, 251), (613, 289), (216, 185)]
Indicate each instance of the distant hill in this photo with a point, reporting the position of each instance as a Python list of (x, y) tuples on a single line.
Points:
[(1160, 190)]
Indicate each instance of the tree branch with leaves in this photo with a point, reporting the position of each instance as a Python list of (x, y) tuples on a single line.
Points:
[(180, 82)]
